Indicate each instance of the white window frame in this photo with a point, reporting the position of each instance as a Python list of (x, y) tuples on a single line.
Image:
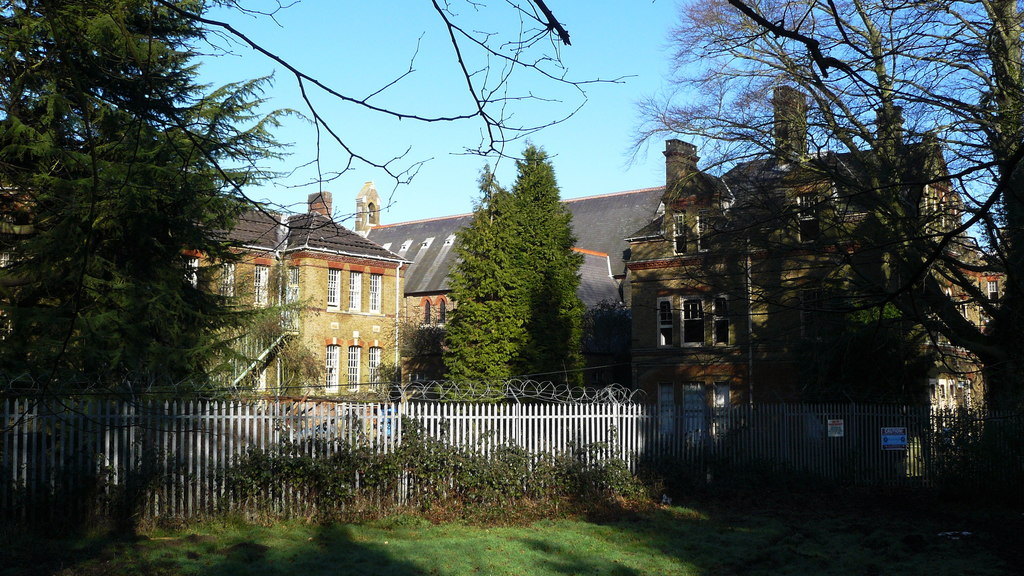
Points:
[(5, 259), (807, 211), (354, 356), (261, 285), (192, 272), (703, 233), (333, 288), (376, 281), (226, 288), (355, 290), (992, 287), (331, 365), (679, 233), (666, 331), (691, 314), (375, 355), (720, 320)]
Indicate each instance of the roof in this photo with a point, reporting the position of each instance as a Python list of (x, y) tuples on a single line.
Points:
[(272, 231), (600, 224)]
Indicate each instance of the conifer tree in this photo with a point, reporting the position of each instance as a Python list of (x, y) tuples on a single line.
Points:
[(120, 166), (488, 329), (549, 267), (518, 314)]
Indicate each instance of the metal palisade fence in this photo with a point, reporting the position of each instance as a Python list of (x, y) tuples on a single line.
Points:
[(172, 454)]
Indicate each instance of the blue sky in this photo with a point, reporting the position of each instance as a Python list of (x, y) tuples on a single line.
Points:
[(359, 47)]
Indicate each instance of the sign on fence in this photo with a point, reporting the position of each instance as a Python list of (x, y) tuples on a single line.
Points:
[(894, 438), (836, 428)]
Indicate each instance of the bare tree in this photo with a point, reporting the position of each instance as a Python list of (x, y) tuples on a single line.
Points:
[(912, 96), (492, 64)]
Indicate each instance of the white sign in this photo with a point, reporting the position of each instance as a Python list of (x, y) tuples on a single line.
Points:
[(836, 428), (894, 438)]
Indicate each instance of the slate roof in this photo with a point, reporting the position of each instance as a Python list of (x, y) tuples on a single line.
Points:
[(273, 231), (600, 223)]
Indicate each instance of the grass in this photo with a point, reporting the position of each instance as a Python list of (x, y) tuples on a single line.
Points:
[(720, 538)]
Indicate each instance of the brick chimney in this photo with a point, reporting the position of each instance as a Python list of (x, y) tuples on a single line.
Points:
[(680, 163), (320, 203), (790, 130)]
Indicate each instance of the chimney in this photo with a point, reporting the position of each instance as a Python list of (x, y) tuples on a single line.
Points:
[(680, 163), (790, 130), (320, 203)]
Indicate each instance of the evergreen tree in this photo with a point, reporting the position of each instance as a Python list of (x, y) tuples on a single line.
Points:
[(515, 284), (545, 260), (117, 162), (488, 328)]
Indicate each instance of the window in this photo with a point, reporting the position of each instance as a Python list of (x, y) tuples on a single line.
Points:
[(261, 284), (666, 408), (693, 322), (720, 310), (993, 290), (375, 282), (426, 312), (355, 290), (333, 288), (331, 385), (442, 311), (703, 231), (291, 296), (192, 272), (375, 354), (353, 368), (665, 335), (722, 395), (226, 287), (5, 259), (807, 214), (679, 232), (293, 285)]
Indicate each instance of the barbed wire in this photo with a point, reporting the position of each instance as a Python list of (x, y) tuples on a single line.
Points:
[(517, 390), (513, 390)]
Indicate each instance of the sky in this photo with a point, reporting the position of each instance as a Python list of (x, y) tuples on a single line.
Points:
[(360, 48)]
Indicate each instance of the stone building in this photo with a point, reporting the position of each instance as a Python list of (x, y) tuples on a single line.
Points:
[(341, 297), (600, 224), (746, 287)]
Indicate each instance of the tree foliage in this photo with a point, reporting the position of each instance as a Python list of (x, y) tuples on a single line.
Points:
[(123, 168), (515, 284), (892, 87)]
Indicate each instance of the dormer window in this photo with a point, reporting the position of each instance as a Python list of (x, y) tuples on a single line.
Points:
[(808, 225)]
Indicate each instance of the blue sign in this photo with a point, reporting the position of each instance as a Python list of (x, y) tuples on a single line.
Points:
[(894, 438)]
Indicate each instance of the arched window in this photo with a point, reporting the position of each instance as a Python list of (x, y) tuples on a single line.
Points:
[(426, 311), (374, 214), (442, 311)]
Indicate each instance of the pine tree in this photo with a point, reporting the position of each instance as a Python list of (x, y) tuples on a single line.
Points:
[(121, 163), (518, 314)]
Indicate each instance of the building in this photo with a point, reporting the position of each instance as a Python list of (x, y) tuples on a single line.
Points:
[(341, 297), (600, 224), (753, 286)]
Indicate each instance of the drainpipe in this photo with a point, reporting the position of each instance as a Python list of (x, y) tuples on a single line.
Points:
[(750, 332), (398, 323)]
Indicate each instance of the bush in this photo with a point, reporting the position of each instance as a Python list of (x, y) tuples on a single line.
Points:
[(424, 472)]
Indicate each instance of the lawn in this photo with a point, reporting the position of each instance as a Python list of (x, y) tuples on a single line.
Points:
[(701, 539)]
